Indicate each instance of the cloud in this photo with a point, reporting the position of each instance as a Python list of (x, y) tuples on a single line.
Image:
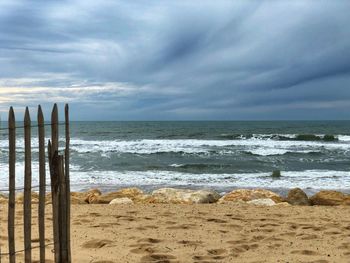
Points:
[(178, 59)]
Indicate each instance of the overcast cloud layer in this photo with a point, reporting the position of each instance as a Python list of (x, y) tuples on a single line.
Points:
[(177, 60)]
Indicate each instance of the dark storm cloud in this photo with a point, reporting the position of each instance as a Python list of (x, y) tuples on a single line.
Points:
[(178, 59)]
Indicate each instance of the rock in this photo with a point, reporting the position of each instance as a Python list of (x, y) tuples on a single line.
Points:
[(297, 196), (131, 193), (249, 195), (122, 200), (276, 174), (183, 196), (92, 195), (330, 198), (262, 202)]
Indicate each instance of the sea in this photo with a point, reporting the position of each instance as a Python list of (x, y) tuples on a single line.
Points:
[(219, 155)]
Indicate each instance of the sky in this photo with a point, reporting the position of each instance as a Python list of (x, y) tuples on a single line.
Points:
[(177, 60)]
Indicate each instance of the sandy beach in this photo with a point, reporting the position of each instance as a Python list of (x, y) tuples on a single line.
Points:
[(231, 232)]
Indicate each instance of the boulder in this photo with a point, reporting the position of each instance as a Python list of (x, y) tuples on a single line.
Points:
[(131, 193), (249, 195), (330, 198), (297, 196), (92, 195), (122, 200), (262, 202), (183, 196)]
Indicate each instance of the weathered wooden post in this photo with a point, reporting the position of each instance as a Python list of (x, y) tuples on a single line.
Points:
[(67, 178), (27, 200), (53, 162), (12, 186), (42, 184)]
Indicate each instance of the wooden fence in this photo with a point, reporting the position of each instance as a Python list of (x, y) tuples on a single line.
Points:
[(60, 187)]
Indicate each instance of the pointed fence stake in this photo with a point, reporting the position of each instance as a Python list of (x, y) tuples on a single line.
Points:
[(27, 200), (12, 186), (42, 184)]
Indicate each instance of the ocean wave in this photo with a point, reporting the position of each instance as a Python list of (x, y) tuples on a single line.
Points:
[(276, 152), (258, 144), (4, 168), (207, 147), (199, 166), (313, 179), (286, 137)]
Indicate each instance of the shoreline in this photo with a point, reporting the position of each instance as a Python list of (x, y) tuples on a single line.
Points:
[(167, 195), (222, 190)]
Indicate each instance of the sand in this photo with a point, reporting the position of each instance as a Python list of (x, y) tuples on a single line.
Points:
[(233, 232)]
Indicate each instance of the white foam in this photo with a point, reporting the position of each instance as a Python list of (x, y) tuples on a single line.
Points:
[(4, 172), (313, 179), (344, 138), (274, 151), (257, 146)]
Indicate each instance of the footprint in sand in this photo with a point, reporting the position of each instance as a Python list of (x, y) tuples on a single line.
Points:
[(97, 243), (265, 230), (166, 214), (170, 222), (95, 214), (257, 238), (190, 243), (344, 246), (198, 258), (234, 226), (208, 258), (305, 252), (274, 239), (143, 249), (85, 221), (184, 226), (243, 248), (158, 258), (308, 237), (267, 224), (216, 220), (346, 227), (314, 228), (277, 245), (149, 240), (131, 212), (237, 242), (217, 252), (288, 234), (334, 232)]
